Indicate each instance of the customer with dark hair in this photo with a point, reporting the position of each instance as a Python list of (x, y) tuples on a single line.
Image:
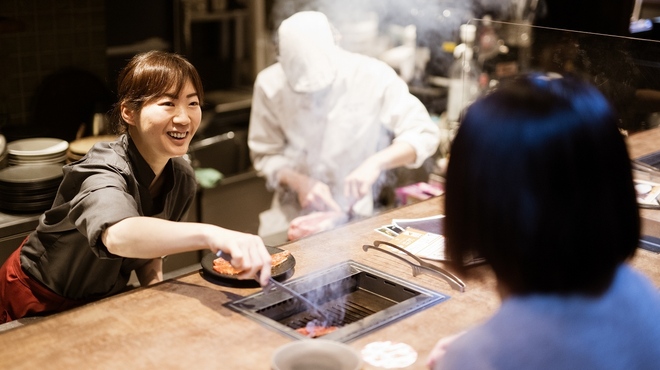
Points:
[(540, 185), (116, 209)]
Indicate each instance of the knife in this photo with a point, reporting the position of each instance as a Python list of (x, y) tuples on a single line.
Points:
[(276, 285)]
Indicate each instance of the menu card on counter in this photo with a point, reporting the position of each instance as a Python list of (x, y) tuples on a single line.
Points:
[(420, 236)]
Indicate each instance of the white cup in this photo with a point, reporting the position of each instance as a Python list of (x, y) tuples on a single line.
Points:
[(316, 354)]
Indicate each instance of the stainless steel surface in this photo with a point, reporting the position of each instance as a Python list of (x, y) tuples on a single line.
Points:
[(639, 165), (650, 243), (357, 298), (420, 268), (646, 175)]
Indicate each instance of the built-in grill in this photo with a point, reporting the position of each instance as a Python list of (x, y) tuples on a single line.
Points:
[(356, 298)]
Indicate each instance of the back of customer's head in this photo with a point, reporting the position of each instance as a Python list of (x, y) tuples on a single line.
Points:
[(539, 183)]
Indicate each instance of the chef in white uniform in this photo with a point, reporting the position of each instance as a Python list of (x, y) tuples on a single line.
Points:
[(326, 123)]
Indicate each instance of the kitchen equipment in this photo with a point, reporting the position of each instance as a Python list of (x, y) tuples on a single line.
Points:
[(357, 299), (281, 272), (316, 354), (421, 267), (275, 285)]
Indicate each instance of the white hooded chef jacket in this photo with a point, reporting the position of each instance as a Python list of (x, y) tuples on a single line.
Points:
[(322, 111)]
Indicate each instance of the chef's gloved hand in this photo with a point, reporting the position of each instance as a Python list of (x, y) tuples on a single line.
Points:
[(358, 183), (316, 196)]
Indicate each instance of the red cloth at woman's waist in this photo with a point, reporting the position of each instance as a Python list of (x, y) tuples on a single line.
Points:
[(22, 296)]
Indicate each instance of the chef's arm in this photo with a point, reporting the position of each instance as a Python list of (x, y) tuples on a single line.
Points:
[(407, 118), (266, 137), (396, 155), (149, 237), (150, 273), (358, 183)]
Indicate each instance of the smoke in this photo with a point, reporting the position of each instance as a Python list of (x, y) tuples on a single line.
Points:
[(371, 25), (362, 23), (436, 21)]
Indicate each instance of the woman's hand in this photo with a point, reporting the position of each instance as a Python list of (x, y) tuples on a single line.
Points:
[(248, 254), (439, 349)]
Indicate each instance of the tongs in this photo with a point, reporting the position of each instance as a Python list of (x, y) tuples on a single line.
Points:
[(641, 166), (420, 268), (276, 285)]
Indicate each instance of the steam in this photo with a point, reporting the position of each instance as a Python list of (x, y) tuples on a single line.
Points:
[(376, 25), (329, 291), (436, 21), (371, 27)]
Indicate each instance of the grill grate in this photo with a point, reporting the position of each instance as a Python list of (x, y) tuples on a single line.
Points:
[(357, 299), (339, 315)]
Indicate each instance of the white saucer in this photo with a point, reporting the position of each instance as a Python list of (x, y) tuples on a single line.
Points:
[(37, 146)]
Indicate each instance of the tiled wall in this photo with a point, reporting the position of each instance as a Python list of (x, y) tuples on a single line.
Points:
[(38, 37)]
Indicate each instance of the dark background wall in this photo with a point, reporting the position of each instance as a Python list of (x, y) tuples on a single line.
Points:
[(38, 38), (130, 22), (45, 42)]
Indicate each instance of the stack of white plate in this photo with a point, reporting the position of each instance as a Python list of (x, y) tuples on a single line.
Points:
[(37, 151)]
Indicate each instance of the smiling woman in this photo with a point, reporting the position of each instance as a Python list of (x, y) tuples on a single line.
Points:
[(118, 208), (164, 126), (159, 95)]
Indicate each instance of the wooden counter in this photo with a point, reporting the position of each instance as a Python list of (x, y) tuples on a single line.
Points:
[(183, 323)]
